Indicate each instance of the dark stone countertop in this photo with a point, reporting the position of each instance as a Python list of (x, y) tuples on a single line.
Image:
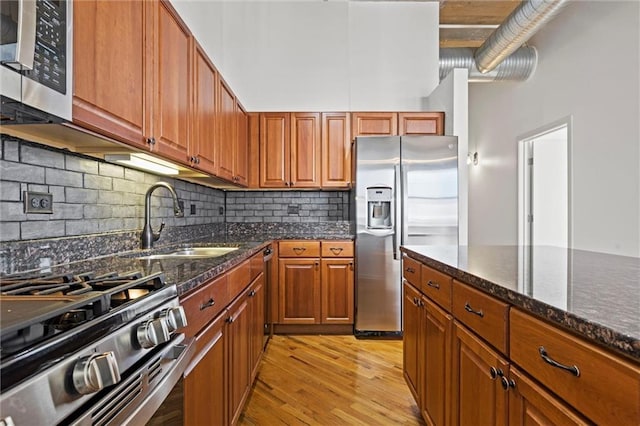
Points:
[(186, 273), (594, 295)]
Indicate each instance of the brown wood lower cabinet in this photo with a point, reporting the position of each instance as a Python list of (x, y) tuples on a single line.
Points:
[(531, 405), (228, 348), (204, 385), (478, 361), (315, 283), (478, 395), (436, 356)]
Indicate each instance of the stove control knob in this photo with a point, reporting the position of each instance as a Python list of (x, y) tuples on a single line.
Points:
[(95, 372), (175, 318), (153, 333)]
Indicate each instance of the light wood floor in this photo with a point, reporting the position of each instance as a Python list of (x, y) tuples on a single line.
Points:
[(331, 380)]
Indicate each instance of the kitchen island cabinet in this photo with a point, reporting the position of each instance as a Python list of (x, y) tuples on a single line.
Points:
[(510, 366)]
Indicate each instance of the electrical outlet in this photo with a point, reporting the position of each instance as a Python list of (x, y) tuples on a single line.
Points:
[(221, 210), (193, 209), (38, 202)]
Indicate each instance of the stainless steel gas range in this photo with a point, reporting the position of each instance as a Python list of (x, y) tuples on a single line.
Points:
[(88, 349)]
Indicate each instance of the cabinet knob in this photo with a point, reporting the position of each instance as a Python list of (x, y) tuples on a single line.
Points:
[(493, 373), (434, 285), (151, 141)]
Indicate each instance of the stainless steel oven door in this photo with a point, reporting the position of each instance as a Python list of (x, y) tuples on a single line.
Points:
[(136, 398)]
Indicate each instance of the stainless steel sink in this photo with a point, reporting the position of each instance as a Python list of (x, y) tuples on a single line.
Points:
[(191, 252)]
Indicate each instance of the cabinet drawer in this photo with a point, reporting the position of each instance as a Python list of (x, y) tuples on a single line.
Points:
[(483, 314), (239, 278), (411, 271), (605, 388), (337, 249), (299, 249), (204, 304), (437, 286)]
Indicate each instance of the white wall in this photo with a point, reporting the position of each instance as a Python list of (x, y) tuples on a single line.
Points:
[(589, 68), (320, 55), (452, 97)]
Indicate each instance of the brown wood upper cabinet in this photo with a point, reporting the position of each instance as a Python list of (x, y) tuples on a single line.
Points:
[(394, 123), (421, 123), (290, 150), (133, 74), (172, 40), (142, 79), (336, 150), (112, 91), (202, 146), (304, 150)]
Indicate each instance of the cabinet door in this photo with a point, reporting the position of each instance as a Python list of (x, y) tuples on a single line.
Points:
[(202, 144), (336, 150), (530, 404), (412, 341), (172, 94), (257, 305), (299, 291), (205, 384), (274, 150), (436, 363), (374, 124), (241, 153), (111, 92), (421, 123), (238, 332), (305, 150), (337, 291), (478, 395), (227, 127)]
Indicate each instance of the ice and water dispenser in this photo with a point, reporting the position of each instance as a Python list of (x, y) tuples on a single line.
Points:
[(379, 199)]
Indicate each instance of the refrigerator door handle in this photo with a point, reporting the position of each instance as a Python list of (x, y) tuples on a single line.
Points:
[(397, 213)]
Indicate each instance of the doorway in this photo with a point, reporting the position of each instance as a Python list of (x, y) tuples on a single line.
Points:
[(544, 209)]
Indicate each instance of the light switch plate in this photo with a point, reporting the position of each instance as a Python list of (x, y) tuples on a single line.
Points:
[(38, 202)]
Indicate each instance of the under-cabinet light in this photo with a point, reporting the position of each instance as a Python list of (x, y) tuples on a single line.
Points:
[(144, 162)]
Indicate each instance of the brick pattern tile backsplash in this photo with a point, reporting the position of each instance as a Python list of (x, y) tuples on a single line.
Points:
[(287, 206), (89, 196)]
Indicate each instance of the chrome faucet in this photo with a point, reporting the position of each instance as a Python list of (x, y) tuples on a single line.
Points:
[(148, 236)]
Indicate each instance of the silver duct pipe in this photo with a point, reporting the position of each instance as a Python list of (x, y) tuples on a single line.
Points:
[(519, 66), (516, 29)]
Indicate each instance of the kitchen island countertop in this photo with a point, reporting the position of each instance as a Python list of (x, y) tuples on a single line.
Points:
[(594, 295)]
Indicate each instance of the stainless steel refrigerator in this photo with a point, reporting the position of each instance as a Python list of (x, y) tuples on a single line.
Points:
[(405, 193)]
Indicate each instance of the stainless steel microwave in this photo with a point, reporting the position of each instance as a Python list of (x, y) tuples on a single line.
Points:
[(36, 42)]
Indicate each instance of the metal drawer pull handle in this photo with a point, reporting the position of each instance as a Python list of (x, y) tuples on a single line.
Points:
[(434, 285), (410, 270), (336, 250), (468, 308), (299, 250), (573, 369), (209, 303)]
